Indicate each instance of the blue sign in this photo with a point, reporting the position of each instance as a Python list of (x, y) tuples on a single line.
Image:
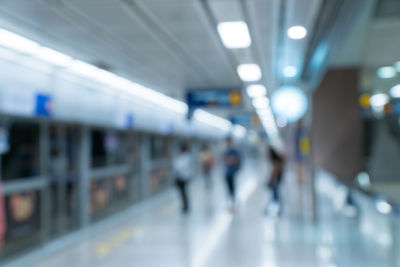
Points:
[(129, 121), (225, 98), (245, 119), (44, 105)]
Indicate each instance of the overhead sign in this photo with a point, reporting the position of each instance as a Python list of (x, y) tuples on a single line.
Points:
[(245, 119), (44, 105), (220, 98)]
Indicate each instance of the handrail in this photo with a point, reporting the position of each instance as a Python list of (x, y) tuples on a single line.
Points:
[(383, 203)]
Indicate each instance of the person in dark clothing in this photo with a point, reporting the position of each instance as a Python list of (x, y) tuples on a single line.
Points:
[(232, 159), (183, 167), (276, 173)]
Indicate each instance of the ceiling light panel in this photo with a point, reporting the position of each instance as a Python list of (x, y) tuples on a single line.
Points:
[(234, 34), (297, 32), (386, 72), (249, 72), (256, 90), (289, 71), (260, 103)]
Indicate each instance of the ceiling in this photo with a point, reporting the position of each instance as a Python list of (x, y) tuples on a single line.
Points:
[(167, 45)]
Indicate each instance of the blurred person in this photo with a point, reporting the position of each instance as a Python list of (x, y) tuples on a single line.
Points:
[(2, 217), (183, 169), (207, 163), (232, 160), (275, 179)]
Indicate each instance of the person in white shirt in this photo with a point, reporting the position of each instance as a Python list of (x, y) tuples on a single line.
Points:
[(183, 169)]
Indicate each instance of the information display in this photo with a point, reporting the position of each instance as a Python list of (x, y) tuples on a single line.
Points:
[(245, 119), (221, 98)]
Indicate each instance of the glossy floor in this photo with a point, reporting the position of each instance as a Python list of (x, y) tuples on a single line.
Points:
[(211, 236)]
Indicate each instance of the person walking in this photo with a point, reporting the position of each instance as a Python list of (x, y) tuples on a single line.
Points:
[(207, 163), (183, 168), (232, 159), (276, 175)]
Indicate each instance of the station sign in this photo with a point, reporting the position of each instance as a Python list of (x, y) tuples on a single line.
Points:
[(245, 119), (44, 105), (218, 98)]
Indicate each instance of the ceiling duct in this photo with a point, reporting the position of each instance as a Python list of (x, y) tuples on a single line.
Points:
[(335, 21)]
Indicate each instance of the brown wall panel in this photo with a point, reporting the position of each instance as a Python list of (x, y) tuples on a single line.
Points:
[(336, 128)]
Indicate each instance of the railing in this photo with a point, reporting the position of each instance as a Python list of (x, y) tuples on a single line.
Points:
[(377, 215)]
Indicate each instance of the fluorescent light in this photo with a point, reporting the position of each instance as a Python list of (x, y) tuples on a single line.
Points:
[(249, 72), (395, 91), (289, 71), (260, 102), (239, 131), (212, 120), (256, 90), (53, 56), (13, 47), (386, 72), (263, 111), (297, 32), (17, 43), (234, 34), (83, 68), (379, 100), (383, 207)]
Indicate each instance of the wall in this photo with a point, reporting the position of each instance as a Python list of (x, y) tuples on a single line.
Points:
[(336, 128)]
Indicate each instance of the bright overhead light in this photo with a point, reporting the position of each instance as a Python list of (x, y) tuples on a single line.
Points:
[(297, 32), (289, 71), (249, 72), (383, 206), (53, 56), (395, 91), (260, 103), (379, 100), (281, 122), (234, 34), (289, 102), (239, 131), (256, 90), (263, 112), (17, 43), (13, 45), (386, 72), (83, 68)]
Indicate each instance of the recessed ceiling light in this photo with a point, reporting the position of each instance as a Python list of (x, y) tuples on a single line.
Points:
[(379, 100), (249, 72), (256, 90), (234, 34), (383, 206), (297, 32), (290, 71), (386, 72), (395, 91), (260, 103)]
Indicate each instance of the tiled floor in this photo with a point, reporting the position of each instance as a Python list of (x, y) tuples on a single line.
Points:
[(211, 236)]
